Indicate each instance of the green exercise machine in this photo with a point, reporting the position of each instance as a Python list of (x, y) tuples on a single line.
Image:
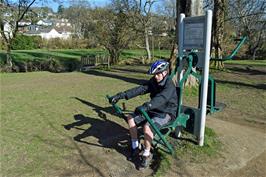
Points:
[(194, 51)]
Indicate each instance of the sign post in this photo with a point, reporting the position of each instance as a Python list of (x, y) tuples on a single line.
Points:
[(195, 36)]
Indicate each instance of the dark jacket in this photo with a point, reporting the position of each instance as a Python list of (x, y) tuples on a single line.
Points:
[(163, 95)]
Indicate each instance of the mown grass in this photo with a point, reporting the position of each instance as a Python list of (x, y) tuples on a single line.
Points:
[(211, 146), (61, 54), (73, 54), (247, 62), (36, 106), (188, 150)]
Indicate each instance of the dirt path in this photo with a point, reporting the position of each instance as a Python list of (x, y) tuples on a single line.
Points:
[(256, 167), (243, 154)]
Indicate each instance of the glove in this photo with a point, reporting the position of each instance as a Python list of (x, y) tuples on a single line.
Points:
[(145, 107), (114, 99)]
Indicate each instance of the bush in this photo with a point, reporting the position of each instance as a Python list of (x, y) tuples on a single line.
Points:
[(2, 46), (22, 42), (57, 43), (20, 66), (54, 66)]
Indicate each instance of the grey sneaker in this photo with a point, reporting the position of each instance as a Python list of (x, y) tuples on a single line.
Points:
[(145, 161)]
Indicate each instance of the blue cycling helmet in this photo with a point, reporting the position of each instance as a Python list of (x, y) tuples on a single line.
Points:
[(158, 67)]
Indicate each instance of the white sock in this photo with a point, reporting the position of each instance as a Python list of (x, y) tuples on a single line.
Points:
[(134, 143), (146, 152)]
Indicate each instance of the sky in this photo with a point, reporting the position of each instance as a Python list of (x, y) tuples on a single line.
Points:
[(54, 5)]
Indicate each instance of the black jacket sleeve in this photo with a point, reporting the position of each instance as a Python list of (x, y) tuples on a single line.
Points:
[(140, 90)]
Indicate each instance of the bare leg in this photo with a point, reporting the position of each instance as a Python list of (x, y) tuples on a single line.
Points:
[(148, 137), (132, 128), (146, 156)]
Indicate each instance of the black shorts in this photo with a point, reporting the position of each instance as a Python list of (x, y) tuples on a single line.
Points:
[(159, 119)]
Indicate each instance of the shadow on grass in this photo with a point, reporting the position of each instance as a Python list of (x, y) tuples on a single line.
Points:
[(116, 76), (248, 70), (44, 55), (132, 54), (60, 145), (132, 70), (257, 86), (73, 53), (108, 133), (82, 53), (98, 109), (39, 55)]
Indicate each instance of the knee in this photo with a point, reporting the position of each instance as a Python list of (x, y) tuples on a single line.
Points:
[(130, 121), (147, 129), (129, 118)]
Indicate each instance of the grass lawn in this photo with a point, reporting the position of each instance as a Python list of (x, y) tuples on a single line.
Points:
[(36, 107), (73, 54), (247, 62)]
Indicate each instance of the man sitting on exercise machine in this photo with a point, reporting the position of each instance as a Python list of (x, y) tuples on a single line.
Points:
[(162, 108)]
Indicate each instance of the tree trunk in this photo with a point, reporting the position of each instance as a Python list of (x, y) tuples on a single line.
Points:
[(147, 46), (8, 56), (173, 59), (253, 52), (218, 31), (114, 56)]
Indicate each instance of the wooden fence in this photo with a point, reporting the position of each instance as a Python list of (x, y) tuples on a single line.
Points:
[(91, 61)]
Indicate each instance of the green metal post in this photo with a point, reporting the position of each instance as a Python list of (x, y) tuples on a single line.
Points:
[(190, 59), (212, 94)]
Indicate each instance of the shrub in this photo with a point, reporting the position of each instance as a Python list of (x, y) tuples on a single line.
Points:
[(54, 66), (22, 42), (57, 43), (20, 66), (2, 46)]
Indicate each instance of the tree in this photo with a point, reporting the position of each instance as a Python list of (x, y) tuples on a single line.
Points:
[(140, 15), (219, 12), (249, 19), (60, 10), (112, 30), (79, 15), (167, 9), (11, 14)]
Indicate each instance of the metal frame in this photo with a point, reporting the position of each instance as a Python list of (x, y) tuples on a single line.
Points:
[(181, 117), (234, 52)]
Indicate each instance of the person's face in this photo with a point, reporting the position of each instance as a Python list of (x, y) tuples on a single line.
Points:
[(159, 76)]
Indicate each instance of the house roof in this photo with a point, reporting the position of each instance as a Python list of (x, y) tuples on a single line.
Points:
[(42, 30), (48, 29), (63, 29)]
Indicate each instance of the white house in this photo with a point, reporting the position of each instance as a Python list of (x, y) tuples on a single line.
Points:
[(24, 23), (50, 33), (62, 22), (44, 23)]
